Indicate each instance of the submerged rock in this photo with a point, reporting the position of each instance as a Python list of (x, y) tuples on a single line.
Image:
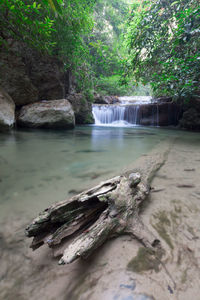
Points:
[(47, 114), (7, 111)]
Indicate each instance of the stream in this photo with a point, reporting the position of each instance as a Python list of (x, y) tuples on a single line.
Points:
[(40, 167)]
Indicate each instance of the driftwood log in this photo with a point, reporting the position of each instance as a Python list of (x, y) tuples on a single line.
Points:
[(78, 226)]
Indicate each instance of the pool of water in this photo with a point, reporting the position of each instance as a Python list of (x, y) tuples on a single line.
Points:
[(39, 167)]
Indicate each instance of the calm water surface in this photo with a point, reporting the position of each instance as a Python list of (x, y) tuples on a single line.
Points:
[(38, 167)]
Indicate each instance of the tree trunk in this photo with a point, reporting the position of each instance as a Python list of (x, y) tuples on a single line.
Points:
[(78, 226)]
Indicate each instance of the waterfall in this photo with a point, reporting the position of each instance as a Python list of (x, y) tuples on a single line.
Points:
[(108, 114), (135, 99), (132, 114), (116, 114), (132, 111), (124, 113)]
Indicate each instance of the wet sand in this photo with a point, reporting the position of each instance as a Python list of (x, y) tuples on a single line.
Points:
[(120, 270)]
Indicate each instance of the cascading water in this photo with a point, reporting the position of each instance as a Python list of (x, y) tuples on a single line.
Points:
[(128, 100), (122, 114), (132, 111), (108, 114)]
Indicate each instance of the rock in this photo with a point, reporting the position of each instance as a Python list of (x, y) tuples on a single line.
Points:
[(82, 109), (7, 111), (47, 74), (15, 81), (47, 114), (191, 116), (29, 76), (163, 114), (162, 100), (111, 99), (192, 103), (190, 119), (98, 99)]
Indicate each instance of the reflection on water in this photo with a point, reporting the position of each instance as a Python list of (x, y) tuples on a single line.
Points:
[(41, 167)]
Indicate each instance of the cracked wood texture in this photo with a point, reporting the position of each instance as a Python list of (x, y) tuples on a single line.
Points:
[(78, 226)]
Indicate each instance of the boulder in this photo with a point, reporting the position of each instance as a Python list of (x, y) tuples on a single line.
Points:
[(190, 119), (191, 116), (7, 111), (111, 99), (82, 108), (98, 99), (47, 114)]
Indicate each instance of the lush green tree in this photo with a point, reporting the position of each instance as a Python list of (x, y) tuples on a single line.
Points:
[(71, 29), (27, 22), (57, 27), (163, 37), (106, 47), (105, 42), (86, 35)]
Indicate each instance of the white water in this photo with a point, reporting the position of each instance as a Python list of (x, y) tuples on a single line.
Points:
[(123, 114), (108, 114), (135, 100)]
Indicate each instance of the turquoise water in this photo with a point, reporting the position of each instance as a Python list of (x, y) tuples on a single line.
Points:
[(38, 167)]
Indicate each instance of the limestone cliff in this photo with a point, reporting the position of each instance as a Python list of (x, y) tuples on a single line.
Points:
[(29, 76)]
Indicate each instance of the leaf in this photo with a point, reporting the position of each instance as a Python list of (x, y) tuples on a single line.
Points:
[(174, 3)]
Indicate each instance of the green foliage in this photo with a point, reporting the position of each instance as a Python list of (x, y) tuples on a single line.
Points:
[(112, 86), (86, 35), (71, 28), (164, 41), (55, 5), (106, 48), (89, 94), (105, 43), (57, 27), (26, 21)]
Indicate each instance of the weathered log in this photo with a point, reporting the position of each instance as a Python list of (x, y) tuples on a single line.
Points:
[(89, 219)]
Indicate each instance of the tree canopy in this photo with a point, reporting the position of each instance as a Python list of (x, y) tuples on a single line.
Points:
[(145, 41), (163, 37), (26, 21)]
